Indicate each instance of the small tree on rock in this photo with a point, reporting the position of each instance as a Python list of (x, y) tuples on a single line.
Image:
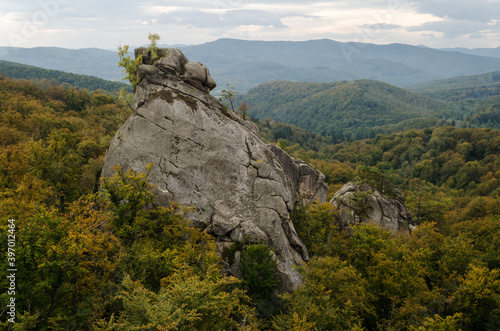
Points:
[(228, 95)]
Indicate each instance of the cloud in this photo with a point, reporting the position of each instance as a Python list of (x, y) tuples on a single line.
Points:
[(477, 36), (231, 18), (381, 26), (96, 22), (478, 10), (453, 28)]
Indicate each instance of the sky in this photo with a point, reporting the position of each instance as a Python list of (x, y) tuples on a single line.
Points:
[(110, 23)]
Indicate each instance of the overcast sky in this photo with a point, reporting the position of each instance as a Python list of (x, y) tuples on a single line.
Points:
[(109, 23)]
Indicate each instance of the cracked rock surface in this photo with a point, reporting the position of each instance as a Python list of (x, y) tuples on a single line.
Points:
[(392, 214), (209, 158)]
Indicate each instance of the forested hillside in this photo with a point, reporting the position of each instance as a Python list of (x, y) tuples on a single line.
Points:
[(348, 110), (110, 260), (86, 61), (450, 178), (445, 157), (362, 109), (22, 71), (460, 88)]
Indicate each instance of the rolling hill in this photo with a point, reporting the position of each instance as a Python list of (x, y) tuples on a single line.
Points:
[(347, 110), (86, 61), (22, 71), (459, 88)]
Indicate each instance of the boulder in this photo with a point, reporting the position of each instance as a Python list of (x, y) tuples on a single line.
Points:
[(209, 158), (360, 203), (198, 75)]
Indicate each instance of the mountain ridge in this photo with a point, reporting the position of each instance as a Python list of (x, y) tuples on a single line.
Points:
[(240, 62)]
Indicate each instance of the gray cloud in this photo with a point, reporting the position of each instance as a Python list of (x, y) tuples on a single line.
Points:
[(231, 18), (194, 21), (477, 10), (452, 29), (381, 26)]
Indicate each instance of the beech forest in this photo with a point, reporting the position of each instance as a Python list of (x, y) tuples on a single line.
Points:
[(99, 254)]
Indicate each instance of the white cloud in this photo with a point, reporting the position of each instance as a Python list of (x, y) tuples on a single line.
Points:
[(477, 10), (97, 23), (453, 28), (231, 18)]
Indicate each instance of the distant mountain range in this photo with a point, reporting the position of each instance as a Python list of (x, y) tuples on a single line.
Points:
[(491, 52), (245, 64), (237, 61)]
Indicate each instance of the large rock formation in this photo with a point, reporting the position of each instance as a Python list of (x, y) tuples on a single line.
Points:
[(361, 203), (209, 158)]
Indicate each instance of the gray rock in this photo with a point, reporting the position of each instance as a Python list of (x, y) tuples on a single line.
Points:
[(171, 64), (308, 183), (361, 203), (211, 159), (198, 75)]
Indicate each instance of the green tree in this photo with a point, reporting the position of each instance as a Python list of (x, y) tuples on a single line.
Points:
[(228, 94), (316, 226), (382, 182), (155, 238), (186, 302), (65, 263), (153, 45), (58, 162), (478, 298), (258, 265), (129, 194), (130, 65), (332, 297)]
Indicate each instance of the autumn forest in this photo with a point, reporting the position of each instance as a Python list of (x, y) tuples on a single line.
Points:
[(98, 254)]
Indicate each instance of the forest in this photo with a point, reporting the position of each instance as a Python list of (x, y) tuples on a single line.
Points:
[(110, 259), (467, 87), (22, 71), (364, 108)]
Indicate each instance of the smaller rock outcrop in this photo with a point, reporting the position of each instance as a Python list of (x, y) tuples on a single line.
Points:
[(360, 203)]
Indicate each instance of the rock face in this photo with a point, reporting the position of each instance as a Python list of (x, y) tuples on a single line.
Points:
[(209, 158), (361, 203), (308, 183)]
